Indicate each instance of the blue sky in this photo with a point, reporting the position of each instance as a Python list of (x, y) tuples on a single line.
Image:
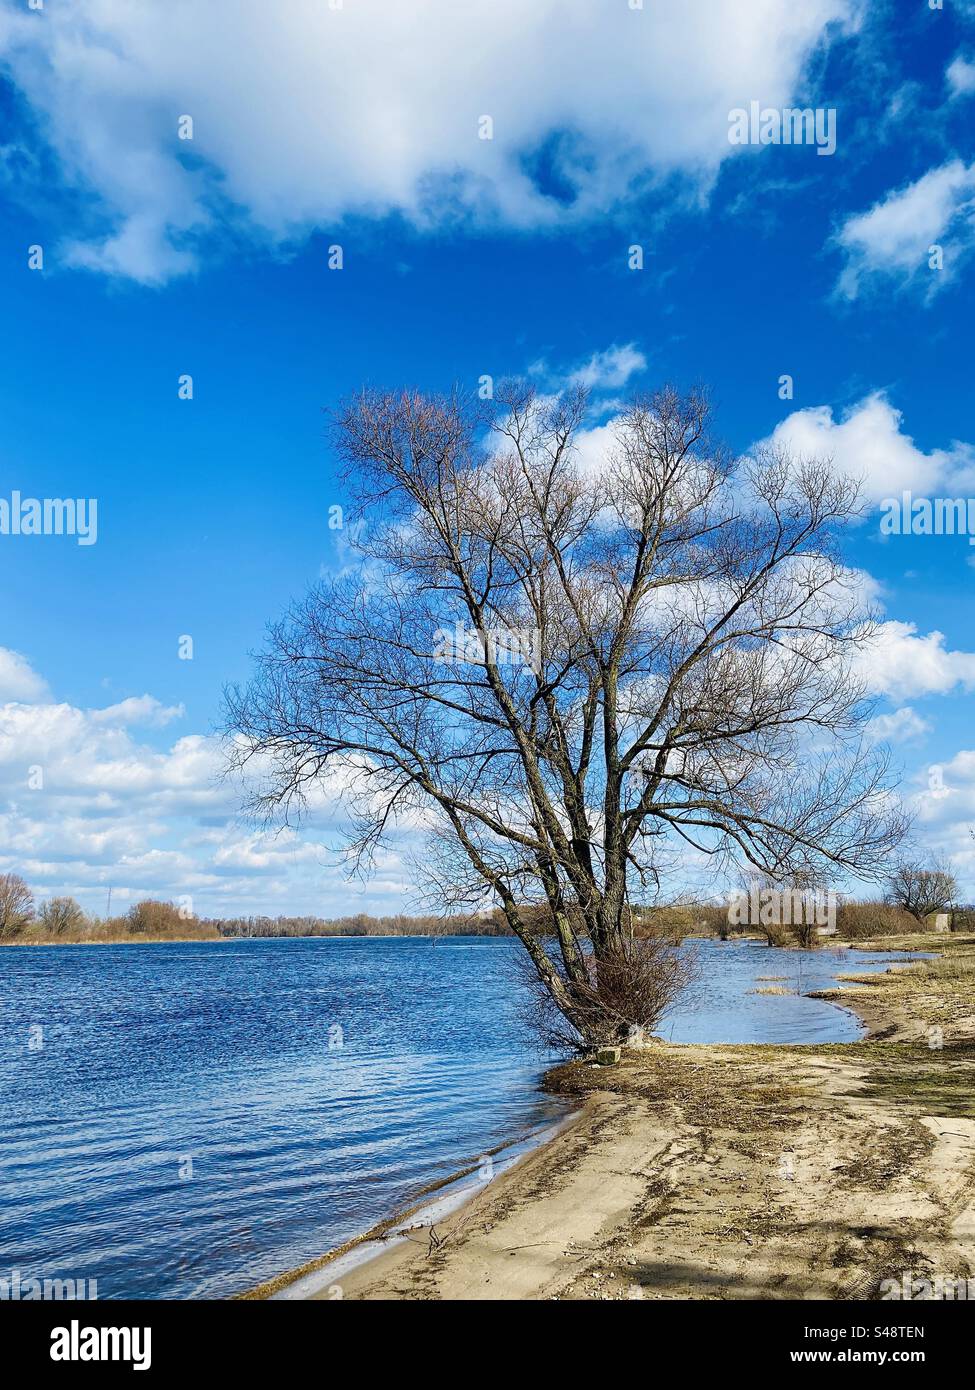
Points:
[(358, 126)]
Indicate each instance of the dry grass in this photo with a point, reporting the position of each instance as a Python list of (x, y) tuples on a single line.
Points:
[(950, 969), (926, 1081), (857, 921), (919, 995), (738, 1096), (943, 943), (117, 932)]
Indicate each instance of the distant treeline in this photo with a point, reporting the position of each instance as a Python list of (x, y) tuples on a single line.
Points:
[(61, 920), (361, 924), (493, 923)]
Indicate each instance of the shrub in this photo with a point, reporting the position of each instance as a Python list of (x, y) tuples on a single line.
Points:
[(963, 920), (859, 921), (62, 916), (627, 993), (152, 918), (806, 934)]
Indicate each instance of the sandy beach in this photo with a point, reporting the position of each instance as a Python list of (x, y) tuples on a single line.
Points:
[(727, 1172)]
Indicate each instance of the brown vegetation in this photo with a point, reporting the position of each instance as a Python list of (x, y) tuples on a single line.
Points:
[(16, 906), (61, 921), (863, 920)]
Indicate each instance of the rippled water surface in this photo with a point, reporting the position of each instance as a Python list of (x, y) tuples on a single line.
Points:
[(189, 1119)]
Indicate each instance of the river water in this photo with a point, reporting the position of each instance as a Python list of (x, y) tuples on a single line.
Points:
[(181, 1120)]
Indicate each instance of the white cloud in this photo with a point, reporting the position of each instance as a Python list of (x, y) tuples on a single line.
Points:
[(893, 238), (303, 113), (609, 370), (85, 805), (595, 446), (143, 710), (18, 681), (961, 77), (868, 442), (903, 725), (905, 666), (942, 799)]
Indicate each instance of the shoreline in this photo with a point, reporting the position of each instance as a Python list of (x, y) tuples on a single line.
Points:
[(155, 941), (455, 1192), (325, 936), (582, 1185)]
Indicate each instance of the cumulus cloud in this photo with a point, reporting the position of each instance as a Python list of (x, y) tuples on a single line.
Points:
[(903, 725), (138, 709), (595, 446), (18, 680), (893, 238), (904, 665), (602, 372), (86, 804), (941, 797), (303, 113), (868, 441), (609, 370)]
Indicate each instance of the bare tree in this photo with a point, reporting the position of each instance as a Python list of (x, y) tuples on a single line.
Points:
[(564, 668), (921, 890), (61, 915), (16, 905)]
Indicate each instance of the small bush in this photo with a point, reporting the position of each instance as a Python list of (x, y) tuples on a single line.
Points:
[(674, 921), (152, 918), (860, 921), (623, 1000)]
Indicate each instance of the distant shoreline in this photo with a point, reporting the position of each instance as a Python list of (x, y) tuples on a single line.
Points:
[(342, 936), (149, 941), (324, 936), (219, 940)]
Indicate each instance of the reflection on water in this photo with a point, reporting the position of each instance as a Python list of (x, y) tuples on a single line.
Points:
[(202, 1116)]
